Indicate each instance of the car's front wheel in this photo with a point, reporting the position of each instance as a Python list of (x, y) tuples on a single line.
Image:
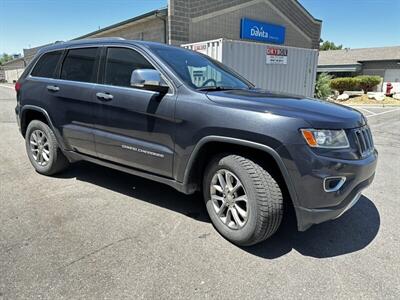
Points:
[(43, 150), (243, 200)]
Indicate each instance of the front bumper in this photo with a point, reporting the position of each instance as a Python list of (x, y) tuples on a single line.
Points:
[(313, 204)]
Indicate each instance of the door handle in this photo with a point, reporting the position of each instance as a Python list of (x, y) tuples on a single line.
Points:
[(53, 88), (104, 96)]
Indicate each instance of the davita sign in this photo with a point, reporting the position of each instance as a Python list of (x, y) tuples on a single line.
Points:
[(262, 32)]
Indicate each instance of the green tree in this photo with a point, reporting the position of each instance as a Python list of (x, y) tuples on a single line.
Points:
[(322, 87), (342, 84), (5, 58), (367, 83), (327, 45)]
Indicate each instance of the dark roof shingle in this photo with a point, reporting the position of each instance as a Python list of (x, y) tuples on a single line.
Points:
[(354, 56)]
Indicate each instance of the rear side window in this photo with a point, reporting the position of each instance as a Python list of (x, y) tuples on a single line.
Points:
[(46, 66), (120, 64), (80, 65)]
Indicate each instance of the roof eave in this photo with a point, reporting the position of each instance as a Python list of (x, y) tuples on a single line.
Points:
[(114, 26), (339, 68), (13, 61)]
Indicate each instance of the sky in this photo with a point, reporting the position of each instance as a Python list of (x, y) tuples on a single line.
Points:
[(31, 23)]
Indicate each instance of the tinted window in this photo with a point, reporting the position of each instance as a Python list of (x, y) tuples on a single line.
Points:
[(80, 65), (46, 66), (120, 64)]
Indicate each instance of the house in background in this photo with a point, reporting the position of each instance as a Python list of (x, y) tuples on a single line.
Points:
[(383, 62), (11, 70)]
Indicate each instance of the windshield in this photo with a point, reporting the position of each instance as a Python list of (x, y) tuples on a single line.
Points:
[(200, 71)]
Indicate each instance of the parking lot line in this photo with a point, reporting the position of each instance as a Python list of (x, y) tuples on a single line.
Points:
[(366, 110), (385, 112)]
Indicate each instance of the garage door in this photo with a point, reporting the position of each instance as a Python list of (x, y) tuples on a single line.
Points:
[(13, 75)]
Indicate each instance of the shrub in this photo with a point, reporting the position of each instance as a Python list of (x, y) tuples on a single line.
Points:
[(322, 86), (367, 83), (345, 84)]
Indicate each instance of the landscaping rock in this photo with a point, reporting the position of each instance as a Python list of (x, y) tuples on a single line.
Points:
[(354, 93), (377, 96), (396, 96), (343, 97), (331, 99)]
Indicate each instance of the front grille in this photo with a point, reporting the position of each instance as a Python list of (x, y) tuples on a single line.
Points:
[(364, 141)]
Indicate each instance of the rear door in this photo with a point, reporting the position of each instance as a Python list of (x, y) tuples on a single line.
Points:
[(134, 127), (43, 74), (72, 98)]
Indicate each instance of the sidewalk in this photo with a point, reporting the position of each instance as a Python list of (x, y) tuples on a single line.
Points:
[(7, 85)]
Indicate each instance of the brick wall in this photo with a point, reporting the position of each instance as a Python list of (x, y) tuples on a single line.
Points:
[(199, 20), (178, 21)]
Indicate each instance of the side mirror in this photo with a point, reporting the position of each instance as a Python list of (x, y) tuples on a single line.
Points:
[(148, 79)]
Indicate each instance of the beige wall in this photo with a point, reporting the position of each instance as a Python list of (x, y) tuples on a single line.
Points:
[(13, 70), (149, 30), (12, 75)]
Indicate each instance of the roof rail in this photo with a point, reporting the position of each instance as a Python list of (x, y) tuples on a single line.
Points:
[(101, 39)]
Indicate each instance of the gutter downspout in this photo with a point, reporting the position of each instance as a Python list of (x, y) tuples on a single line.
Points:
[(164, 18)]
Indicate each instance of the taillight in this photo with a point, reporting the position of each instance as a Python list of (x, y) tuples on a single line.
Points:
[(17, 86)]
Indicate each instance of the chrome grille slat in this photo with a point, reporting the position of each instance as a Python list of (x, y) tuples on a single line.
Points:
[(364, 141)]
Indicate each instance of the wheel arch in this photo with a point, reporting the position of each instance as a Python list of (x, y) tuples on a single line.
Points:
[(212, 145), (32, 112)]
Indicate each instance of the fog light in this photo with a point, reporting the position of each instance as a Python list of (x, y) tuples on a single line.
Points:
[(333, 184)]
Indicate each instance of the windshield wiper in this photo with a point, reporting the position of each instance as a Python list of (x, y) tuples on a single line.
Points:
[(216, 88)]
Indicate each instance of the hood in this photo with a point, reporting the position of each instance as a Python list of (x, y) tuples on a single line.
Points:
[(319, 114)]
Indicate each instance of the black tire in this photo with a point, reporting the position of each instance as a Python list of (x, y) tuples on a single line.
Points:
[(57, 161), (264, 200)]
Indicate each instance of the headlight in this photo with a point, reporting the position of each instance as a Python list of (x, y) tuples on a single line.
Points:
[(333, 139)]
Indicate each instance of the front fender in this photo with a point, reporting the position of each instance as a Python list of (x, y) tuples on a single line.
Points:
[(254, 145)]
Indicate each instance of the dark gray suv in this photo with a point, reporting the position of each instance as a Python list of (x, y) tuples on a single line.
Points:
[(178, 117)]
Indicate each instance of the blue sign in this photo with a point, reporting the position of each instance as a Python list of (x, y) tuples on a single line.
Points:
[(262, 32)]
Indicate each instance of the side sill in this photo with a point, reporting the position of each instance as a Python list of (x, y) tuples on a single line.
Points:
[(183, 188)]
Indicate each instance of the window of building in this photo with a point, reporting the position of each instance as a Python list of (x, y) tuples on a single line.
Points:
[(80, 65), (120, 64), (46, 66)]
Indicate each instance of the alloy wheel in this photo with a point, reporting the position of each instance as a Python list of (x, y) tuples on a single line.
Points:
[(40, 147), (229, 199)]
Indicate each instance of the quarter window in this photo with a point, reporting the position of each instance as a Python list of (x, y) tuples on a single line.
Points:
[(120, 64), (46, 66), (80, 65)]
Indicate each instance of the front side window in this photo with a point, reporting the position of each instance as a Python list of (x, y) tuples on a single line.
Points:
[(200, 71), (80, 65), (120, 63), (46, 66)]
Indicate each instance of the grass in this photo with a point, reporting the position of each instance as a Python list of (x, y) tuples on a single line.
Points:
[(362, 100)]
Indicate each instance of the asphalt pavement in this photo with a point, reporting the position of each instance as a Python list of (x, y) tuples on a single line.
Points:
[(93, 233)]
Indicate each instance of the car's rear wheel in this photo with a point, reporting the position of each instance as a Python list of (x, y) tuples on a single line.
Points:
[(243, 200), (43, 150)]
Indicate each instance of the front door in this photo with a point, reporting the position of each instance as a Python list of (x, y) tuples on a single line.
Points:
[(134, 127)]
